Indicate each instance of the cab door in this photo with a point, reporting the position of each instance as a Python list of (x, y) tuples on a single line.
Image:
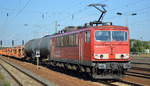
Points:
[(81, 47), (84, 47), (87, 46)]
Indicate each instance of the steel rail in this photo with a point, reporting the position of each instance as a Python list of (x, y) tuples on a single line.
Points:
[(27, 73)]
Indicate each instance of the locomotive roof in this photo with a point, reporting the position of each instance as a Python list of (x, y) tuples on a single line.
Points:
[(110, 26), (71, 29)]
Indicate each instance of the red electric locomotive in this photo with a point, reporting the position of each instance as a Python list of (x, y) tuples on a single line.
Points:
[(101, 50)]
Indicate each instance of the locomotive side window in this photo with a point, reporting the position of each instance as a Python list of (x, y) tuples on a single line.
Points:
[(67, 40), (103, 35), (87, 35), (76, 39), (61, 41), (70, 40), (57, 42)]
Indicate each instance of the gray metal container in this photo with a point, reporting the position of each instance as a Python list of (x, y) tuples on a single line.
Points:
[(42, 44)]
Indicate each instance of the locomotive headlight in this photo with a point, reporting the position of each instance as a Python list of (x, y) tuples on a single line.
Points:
[(122, 56), (101, 56)]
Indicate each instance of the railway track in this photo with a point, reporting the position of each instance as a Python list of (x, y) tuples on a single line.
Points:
[(139, 73), (125, 83), (140, 63), (118, 83), (141, 66), (21, 76), (135, 74), (107, 83)]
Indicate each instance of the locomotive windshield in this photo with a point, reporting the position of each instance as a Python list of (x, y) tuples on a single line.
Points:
[(103, 35), (119, 35), (111, 36)]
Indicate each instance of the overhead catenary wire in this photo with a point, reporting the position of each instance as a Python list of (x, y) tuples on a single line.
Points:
[(138, 11), (80, 11), (128, 4), (73, 16), (19, 12), (8, 21)]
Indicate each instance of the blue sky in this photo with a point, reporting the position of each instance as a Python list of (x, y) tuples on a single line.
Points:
[(28, 19)]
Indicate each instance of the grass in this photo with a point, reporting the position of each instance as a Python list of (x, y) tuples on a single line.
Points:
[(6, 83), (1, 77), (3, 81), (143, 55)]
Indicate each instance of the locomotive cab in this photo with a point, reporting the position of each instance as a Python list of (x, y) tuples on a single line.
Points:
[(110, 50)]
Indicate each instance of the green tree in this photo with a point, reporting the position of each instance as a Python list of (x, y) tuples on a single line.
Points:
[(137, 45)]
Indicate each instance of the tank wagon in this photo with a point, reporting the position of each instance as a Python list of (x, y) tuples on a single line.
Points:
[(42, 44)]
